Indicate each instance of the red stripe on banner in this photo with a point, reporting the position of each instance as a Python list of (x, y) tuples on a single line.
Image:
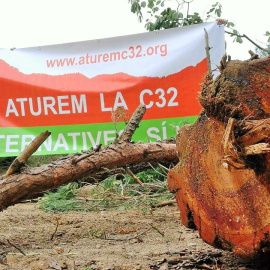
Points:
[(46, 100)]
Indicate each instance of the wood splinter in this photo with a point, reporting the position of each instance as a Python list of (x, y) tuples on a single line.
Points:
[(254, 132), (231, 156)]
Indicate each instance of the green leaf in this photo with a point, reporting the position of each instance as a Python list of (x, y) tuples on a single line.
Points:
[(151, 4), (133, 7), (230, 24), (239, 40), (155, 9), (143, 4)]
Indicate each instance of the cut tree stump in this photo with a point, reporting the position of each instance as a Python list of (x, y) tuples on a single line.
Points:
[(222, 180)]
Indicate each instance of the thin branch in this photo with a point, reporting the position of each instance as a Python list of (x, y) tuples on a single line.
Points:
[(163, 168), (128, 171), (207, 49), (56, 227), (164, 203), (131, 238), (155, 228), (250, 40), (88, 154), (178, 5), (156, 170), (15, 246)]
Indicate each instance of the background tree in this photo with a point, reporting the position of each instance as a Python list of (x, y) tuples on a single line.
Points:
[(158, 14), (262, 52)]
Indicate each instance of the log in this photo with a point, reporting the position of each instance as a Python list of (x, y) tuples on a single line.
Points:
[(100, 161), (31, 181), (221, 182)]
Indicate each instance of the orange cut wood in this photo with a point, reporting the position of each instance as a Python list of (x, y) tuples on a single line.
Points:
[(222, 189)]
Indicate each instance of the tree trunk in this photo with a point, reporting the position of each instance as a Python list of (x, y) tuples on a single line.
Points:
[(222, 179), (17, 187)]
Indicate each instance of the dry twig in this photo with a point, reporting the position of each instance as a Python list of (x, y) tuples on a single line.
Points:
[(130, 238), (128, 171), (15, 246), (56, 227)]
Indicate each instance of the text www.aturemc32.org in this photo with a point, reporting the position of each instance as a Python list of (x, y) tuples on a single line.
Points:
[(88, 59)]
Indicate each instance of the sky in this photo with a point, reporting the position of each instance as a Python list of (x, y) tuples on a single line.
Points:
[(28, 23)]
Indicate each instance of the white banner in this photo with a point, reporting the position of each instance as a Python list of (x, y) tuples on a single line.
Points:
[(79, 91)]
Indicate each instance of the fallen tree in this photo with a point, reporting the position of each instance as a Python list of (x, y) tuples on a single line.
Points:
[(20, 186), (222, 182), (17, 185)]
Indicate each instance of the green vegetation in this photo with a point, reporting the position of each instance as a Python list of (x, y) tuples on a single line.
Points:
[(63, 200), (160, 15), (112, 193), (164, 14)]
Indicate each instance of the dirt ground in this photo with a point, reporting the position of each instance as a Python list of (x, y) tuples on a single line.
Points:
[(129, 239)]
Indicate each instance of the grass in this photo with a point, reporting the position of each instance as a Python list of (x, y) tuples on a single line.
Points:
[(112, 193)]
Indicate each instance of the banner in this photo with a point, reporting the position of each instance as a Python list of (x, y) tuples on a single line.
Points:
[(84, 92)]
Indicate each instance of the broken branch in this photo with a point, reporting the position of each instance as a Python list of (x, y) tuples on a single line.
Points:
[(132, 124), (27, 152)]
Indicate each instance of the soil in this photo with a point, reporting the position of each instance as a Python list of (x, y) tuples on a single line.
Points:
[(132, 239)]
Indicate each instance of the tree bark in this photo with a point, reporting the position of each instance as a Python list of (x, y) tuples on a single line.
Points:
[(92, 163), (18, 187), (222, 182)]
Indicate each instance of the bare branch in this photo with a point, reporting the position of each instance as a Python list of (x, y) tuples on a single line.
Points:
[(27, 152), (249, 39), (207, 49), (132, 124)]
